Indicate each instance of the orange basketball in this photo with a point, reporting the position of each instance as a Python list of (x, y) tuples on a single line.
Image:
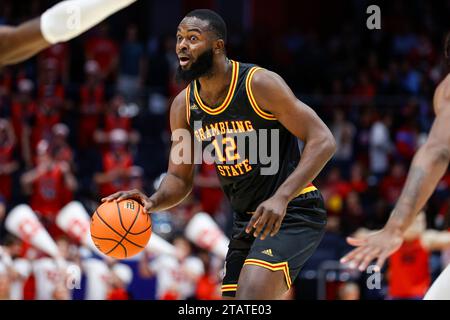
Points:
[(121, 229)]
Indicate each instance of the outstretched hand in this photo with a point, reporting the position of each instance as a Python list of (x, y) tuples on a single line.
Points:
[(378, 245), (132, 194)]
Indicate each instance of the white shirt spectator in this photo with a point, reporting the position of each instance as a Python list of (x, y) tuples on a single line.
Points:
[(380, 146), (173, 276), (97, 279)]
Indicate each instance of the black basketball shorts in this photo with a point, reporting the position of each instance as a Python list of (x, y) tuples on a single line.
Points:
[(300, 234)]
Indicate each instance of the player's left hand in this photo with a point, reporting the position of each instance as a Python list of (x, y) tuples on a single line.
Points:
[(378, 245), (268, 217)]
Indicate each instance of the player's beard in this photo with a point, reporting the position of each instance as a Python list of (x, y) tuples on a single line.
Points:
[(199, 68)]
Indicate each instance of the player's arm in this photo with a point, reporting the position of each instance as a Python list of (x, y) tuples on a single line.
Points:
[(272, 94), (64, 21), (21, 42), (434, 240), (177, 183), (428, 166)]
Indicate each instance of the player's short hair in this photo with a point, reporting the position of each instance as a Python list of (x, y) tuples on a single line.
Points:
[(216, 23)]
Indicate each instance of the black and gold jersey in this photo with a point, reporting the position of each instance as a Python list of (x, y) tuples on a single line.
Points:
[(241, 137)]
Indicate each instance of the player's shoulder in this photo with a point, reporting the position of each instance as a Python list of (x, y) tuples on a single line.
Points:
[(267, 83), (178, 110), (442, 94), (179, 102)]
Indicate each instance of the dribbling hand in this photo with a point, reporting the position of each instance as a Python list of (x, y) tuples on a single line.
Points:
[(131, 194)]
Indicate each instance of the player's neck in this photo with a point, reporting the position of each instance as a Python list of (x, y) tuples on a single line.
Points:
[(219, 78)]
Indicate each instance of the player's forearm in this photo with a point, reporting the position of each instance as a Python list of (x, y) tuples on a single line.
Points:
[(172, 191), (21, 42), (428, 166), (316, 154)]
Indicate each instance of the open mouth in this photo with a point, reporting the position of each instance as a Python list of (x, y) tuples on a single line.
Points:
[(184, 61)]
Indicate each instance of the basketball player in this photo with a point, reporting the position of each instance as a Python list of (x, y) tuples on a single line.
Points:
[(63, 22), (227, 96), (428, 166)]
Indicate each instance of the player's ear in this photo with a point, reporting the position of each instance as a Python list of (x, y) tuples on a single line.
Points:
[(219, 46)]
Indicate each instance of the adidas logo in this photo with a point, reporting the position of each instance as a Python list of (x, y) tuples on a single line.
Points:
[(194, 106), (268, 252)]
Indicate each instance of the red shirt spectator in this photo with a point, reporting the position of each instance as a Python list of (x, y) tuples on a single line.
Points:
[(7, 163), (104, 50), (207, 288), (391, 186), (23, 107), (210, 192), (409, 273), (92, 99), (47, 185), (59, 54), (118, 294), (117, 164)]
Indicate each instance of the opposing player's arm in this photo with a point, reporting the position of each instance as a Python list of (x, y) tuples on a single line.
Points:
[(177, 183), (434, 240), (62, 22), (272, 94), (21, 42), (428, 166)]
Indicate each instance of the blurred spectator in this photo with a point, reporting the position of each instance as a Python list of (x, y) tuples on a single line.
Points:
[(115, 119), (23, 110), (353, 215), (7, 163), (209, 191), (121, 276), (209, 284), (59, 53), (177, 277), (47, 184), (60, 149), (409, 272), (349, 291), (4, 284), (104, 50), (344, 133), (2, 212), (92, 99), (131, 66), (380, 146), (391, 185), (117, 163)]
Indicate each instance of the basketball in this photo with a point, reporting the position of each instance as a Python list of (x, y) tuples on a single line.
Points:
[(120, 229)]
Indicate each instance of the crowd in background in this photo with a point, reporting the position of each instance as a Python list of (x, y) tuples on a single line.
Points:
[(88, 118)]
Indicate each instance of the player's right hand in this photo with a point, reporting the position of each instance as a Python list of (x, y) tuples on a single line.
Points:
[(379, 245), (134, 194)]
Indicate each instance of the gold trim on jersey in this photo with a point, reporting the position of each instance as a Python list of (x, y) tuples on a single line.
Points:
[(283, 266), (188, 104), (248, 86), (306, 190), (228, 98), (229, 287)]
